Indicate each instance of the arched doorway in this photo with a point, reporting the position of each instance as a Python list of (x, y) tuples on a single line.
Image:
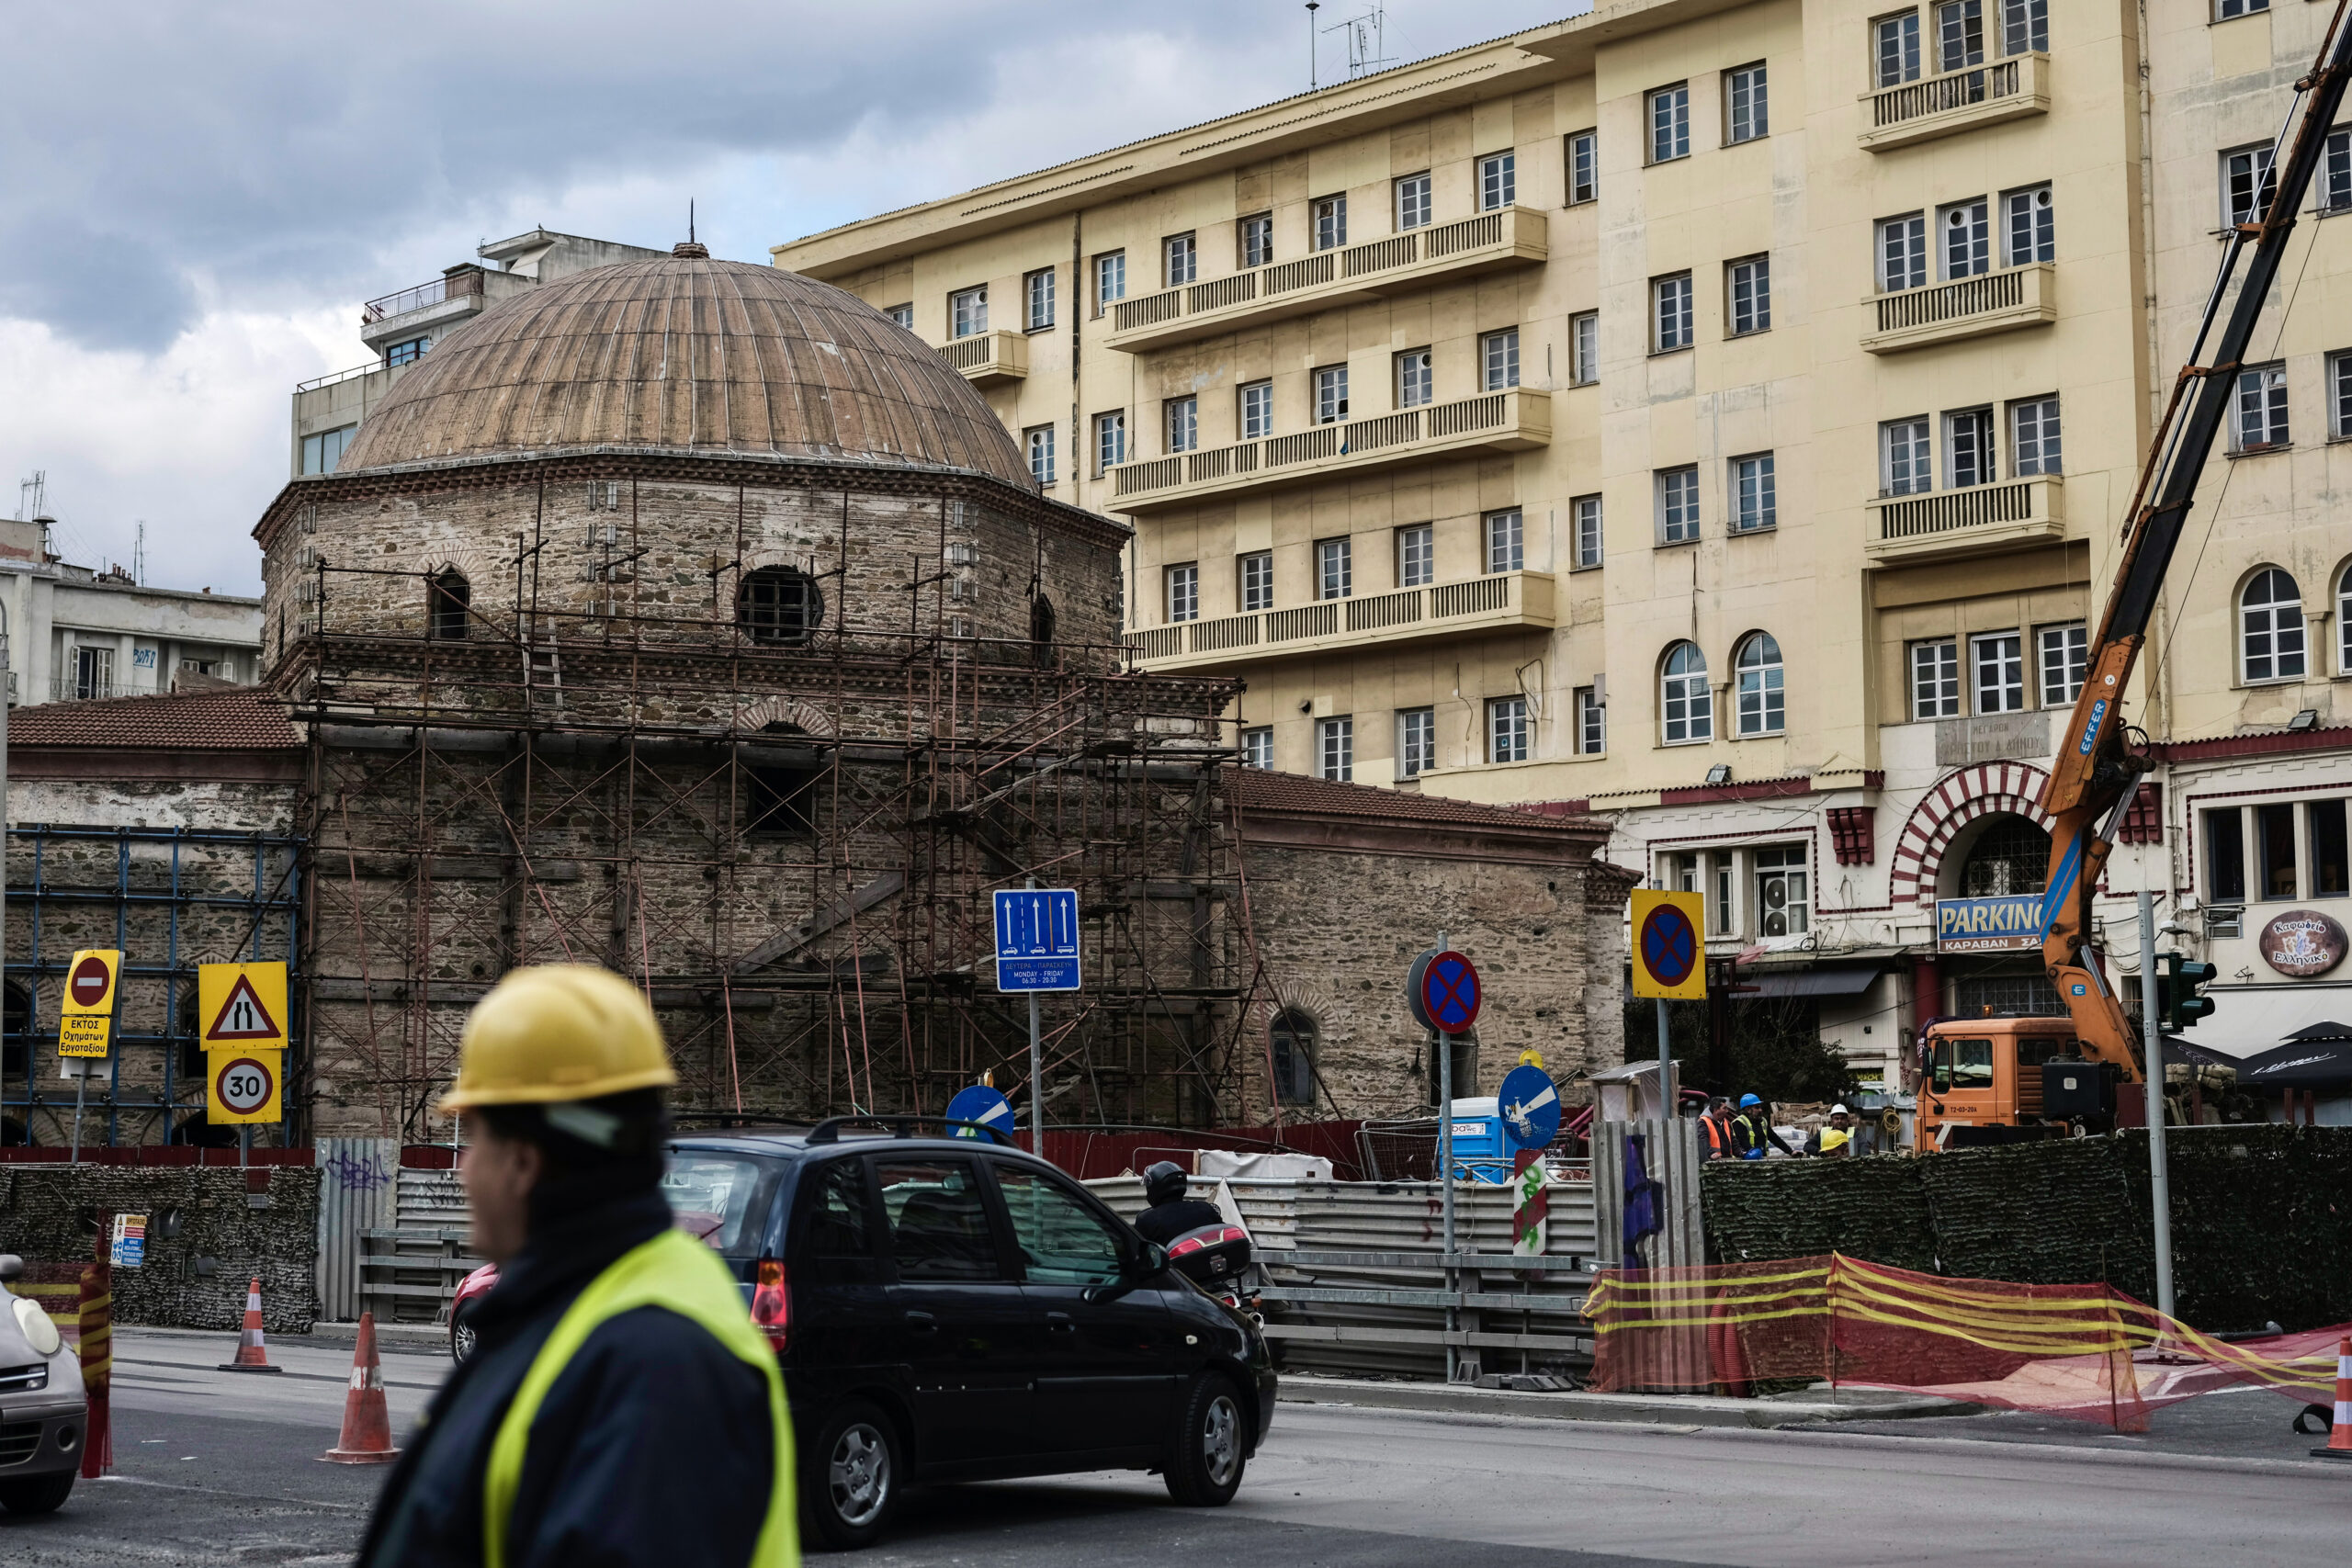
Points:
[(2009, 855), (2003, 856)]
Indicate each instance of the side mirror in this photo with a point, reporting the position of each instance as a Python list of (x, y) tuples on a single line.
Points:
[(1147, 1264), (1153, 1261), (11, 1267)]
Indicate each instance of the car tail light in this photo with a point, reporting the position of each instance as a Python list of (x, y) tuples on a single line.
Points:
[(772, 1300)]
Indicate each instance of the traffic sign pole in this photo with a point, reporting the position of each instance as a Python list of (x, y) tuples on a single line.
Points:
[(1443, 1046), (2153, 1101), (1037, 1076)]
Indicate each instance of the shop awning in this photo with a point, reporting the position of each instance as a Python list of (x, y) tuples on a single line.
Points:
[(2248, 1020), (1804, 982), (2320, 1057)]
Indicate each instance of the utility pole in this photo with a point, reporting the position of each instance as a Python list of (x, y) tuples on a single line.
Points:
[(2153, 1039)]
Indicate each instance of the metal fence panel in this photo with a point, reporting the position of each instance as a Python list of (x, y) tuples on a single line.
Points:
[(356, 1181)]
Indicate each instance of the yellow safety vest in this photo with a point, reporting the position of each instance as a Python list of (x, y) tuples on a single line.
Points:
[(675, 1271), (1833, 1140)]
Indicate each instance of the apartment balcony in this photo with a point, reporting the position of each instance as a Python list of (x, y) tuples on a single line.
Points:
[(1979, 520), (1506, 602), (1508, 237), (988, 359), (1954, 101), (434, 309), (1972, 307), (1498, 422)]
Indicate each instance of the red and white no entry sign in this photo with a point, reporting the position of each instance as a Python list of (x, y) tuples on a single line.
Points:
[(92, 979)]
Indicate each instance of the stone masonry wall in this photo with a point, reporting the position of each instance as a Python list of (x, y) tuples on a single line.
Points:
[(198, 1278)]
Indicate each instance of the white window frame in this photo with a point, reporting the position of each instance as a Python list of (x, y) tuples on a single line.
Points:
[(1180, 422), (1335, 747), (2333, 184), (1965, 239), (1257, 415), (1748, 295), (1180, 260), (1499, 180), (1416, 741), (1746, 104), (1183, 597), (1506, 729), (2273, 636), (1686, 703), (1996, 671), (1415, 383), (1755, 493), (1110, 440), (1584, 167), (1499, 359), (1958, 25), (1590, 543), (1330, 220), (2062, 657), (1258, 747), (1506, 541), (1784, 866), (902, 314), (1257, 240), (1038, 441), (967, 312), (2024, 26), (1416, 555), (1894, 49), (1037, 298), (1760, 678), (2037, 437), (1667, 112), (1672, 321), (1335, 568), (1971, 449), (1593, 723), (1933, 671), (1903, 252), (2246, 172), (2029, 225), (1254, 574), (1330, 394), (1584, 348), (1678, 505), (1412, 201), (1110, 279), (2258, 409), (1906, 457), (2231, 10)]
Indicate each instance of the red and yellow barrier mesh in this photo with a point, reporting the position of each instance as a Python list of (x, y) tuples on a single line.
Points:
[(2086, 1352)]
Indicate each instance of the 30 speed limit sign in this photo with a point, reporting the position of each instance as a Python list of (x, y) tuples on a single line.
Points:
[(245, 1086)]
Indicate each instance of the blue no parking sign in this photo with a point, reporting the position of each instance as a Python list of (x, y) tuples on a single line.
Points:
[(1037, 939)]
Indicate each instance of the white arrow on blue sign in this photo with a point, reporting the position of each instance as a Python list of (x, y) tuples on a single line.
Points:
[(1037, 939), (982, 1105), (1530, 1103)]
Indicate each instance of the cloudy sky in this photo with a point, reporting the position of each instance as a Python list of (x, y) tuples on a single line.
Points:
[(198, 197)]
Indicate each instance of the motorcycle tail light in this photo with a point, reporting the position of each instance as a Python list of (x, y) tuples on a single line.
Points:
[(772, 1302)]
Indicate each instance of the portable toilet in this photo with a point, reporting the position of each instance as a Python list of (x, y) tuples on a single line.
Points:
[(1480, 1153)]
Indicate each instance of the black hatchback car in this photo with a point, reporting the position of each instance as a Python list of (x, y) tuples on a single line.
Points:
[(955, 1309)]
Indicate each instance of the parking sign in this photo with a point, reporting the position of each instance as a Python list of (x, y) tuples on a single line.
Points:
[(1037, 939)]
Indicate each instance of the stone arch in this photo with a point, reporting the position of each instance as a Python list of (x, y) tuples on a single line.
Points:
[(807, 717), (1963, 796), (1310, 1002), (468, 562)]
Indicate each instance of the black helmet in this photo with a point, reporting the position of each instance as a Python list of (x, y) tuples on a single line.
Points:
[(1164, 1182)]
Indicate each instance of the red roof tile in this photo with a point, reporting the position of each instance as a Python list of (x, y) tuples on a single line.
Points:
[(1261, 789), (239, 720)]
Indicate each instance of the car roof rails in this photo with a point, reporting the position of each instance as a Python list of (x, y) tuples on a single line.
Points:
[(829, 1129)]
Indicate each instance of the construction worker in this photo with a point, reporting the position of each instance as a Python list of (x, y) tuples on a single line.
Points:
[(1722, 1142), (1836, 1140), (1753, 1129), (618, 1407)]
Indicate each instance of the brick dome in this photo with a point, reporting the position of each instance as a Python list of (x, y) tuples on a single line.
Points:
[(686, 354)]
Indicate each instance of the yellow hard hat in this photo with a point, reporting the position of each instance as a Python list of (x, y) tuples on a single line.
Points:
[(559, 1031)]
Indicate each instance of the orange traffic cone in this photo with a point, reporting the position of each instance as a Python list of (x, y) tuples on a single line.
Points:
[(2339, 1436), (366, 1424), (253, 1355)]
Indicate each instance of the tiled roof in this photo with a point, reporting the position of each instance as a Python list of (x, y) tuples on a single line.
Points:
[(1261, 789), (238, 721)]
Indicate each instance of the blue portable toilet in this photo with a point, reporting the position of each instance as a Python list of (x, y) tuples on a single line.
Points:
[(1480, 1153)]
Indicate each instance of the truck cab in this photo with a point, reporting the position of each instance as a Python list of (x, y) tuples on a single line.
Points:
[(1986, 1072)]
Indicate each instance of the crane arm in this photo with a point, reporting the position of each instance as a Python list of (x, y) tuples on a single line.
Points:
[(2096, 775)]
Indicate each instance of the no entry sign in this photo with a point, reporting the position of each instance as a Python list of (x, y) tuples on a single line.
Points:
[(1443, 991), (1668, 955), (86, 1018)]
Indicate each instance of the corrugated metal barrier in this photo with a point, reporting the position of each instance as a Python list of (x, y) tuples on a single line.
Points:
[(1672, 1155), (410, 1268), (356, 1196)]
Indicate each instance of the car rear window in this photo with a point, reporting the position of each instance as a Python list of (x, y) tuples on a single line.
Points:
[(720, 1196)]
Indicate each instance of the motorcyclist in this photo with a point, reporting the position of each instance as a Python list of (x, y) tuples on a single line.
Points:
[(1172, 1213)]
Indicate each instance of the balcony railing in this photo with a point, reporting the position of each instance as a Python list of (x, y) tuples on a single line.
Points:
[(454, 285), (987, 358), (338, 378), (1978, 520), (1509, 600), (1968, 306), (1498, 422), (1956, 101), (1511, 236)]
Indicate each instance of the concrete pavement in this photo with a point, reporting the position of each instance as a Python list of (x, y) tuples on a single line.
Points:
[(220, 1468)]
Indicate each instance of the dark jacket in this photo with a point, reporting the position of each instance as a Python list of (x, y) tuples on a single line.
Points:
[(653, 1445), (1163, 1223), (1751, 1129)]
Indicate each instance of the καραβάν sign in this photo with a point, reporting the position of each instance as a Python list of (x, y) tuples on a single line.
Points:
[(2302, 943)]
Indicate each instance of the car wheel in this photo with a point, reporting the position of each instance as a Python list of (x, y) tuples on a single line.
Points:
[(45, 1496), (1210, 1446), (461, 1337), (850, 1477)]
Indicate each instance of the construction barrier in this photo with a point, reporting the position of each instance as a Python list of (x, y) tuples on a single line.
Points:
[(2086, 1351)]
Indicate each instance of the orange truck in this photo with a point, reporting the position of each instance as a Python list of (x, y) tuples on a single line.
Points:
[(2003, 1079)]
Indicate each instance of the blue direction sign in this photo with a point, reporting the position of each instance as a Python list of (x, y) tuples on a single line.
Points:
[(1530, 1103), (1037, 939), (983, 1105)]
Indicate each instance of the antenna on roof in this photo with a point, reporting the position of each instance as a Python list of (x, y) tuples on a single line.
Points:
[(1367, 40), (690, 220), (1312, 6)]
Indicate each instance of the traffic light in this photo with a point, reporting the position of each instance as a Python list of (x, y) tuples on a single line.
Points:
[(2182, 979)]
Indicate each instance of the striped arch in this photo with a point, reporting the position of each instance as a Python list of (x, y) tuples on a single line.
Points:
[(1961, 798), (807, 717)]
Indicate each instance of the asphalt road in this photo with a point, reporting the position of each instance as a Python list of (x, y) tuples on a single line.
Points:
[(223, 1468)]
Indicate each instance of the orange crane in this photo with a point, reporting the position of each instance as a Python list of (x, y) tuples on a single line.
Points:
[(2097, 775)]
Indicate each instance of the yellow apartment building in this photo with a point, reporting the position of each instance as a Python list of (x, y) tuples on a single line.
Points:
[(1717, 415)]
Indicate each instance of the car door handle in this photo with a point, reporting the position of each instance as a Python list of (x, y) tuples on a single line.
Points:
[(1059, 1323), (922, 1322)]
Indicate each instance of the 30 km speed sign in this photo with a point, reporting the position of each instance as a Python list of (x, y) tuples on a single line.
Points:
[(245, 1086)]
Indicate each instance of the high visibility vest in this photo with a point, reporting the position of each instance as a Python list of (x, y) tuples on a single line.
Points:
[(1718, 1138), (1833, 1140), (677, 1272)]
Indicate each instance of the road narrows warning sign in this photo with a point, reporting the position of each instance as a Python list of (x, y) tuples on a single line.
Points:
[(243, 1005)]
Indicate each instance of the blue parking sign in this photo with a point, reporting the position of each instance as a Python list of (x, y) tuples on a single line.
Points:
[(1037, 939)]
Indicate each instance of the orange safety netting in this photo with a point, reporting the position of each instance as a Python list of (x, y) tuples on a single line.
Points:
[(2087, 1352)]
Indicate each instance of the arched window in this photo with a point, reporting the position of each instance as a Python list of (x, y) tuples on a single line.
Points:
[(448, 599), (1293, 1039), (1041, 628), (779, 604), (2343, 625), (2270, 628), (2010, 856), (1762, 707), (1688, 710)]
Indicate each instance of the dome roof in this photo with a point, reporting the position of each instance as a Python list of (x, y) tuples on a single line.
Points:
[(691, 354)]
